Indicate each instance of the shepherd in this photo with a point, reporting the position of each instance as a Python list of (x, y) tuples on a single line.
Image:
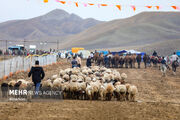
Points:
[(38, 74)]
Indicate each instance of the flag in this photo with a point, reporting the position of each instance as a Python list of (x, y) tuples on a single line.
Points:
[(118, 6), (133, 7), (63, 2), (45, 1), (76, 4)]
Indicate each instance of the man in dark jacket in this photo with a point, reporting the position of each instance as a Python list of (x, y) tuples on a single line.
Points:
[(88, 62), (145, 60), (138, 58), (38, 74)]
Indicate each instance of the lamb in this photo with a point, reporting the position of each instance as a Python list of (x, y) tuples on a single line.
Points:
[(132, 92)]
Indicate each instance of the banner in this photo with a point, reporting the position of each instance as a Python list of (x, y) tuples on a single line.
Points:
[(119, 7)]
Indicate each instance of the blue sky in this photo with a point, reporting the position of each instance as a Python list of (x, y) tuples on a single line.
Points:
[(24, 9)]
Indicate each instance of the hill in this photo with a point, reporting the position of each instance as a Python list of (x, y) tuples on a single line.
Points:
[(55, 23), (146, 28)]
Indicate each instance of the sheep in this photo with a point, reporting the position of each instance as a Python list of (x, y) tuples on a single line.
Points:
[(73, 89), (89, 91), (85, 72), (62, 73), (109, 89), (102, 92), (66, 77), (127, 92), (88, 79), (11, 84), (123, 77), (81, 89), (75, 71), (95, 89), (66, 89), (56, 85), (107, 77), (54, 77), (132, 93), (122, 91), (117, 76), (74, 77)]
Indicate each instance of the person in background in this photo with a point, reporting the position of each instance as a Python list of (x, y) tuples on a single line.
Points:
[(163, 67), (154, 53), (88, 62), (106, 61), (91, 55), (145, 60), (174, 60), (78, 61), (38, 74), (138, 58), (74, 62)]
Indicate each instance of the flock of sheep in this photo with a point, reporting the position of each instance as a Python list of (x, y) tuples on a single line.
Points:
[(86, 84)]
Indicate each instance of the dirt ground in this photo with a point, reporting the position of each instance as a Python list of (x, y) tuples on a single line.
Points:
[(158, 99)]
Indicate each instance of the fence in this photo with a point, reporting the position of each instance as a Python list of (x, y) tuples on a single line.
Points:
[(21, 63)]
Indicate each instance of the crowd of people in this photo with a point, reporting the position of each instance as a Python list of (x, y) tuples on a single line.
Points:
[(129, 60)]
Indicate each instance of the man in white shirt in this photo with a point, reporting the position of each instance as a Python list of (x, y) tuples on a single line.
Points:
[(174, 57)]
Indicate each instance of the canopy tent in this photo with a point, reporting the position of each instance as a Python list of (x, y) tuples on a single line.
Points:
[(16, 48), (178, 52), (120, 52), (103, 52), (85, 53)]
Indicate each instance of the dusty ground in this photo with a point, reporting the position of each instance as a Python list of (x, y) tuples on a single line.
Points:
[(158, 99)]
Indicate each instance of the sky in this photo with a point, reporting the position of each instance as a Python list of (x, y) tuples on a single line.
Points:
[(25, 9)]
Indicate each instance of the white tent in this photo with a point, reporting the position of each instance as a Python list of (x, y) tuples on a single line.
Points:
[(133, 52), (85, 53)]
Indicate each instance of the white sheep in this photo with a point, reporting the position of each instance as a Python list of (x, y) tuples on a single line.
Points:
[(62, 73), (123, 76), (66, 77), (54, 77), (132, 92), (109, 89)]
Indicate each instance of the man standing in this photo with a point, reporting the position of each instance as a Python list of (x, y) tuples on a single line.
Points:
[(138, 58), (38, 74), (163, 67), (174, 60), (74, 62), (145, 60), (88, 62)]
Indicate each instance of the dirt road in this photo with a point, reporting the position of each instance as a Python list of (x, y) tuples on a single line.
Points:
[(158, 99)]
